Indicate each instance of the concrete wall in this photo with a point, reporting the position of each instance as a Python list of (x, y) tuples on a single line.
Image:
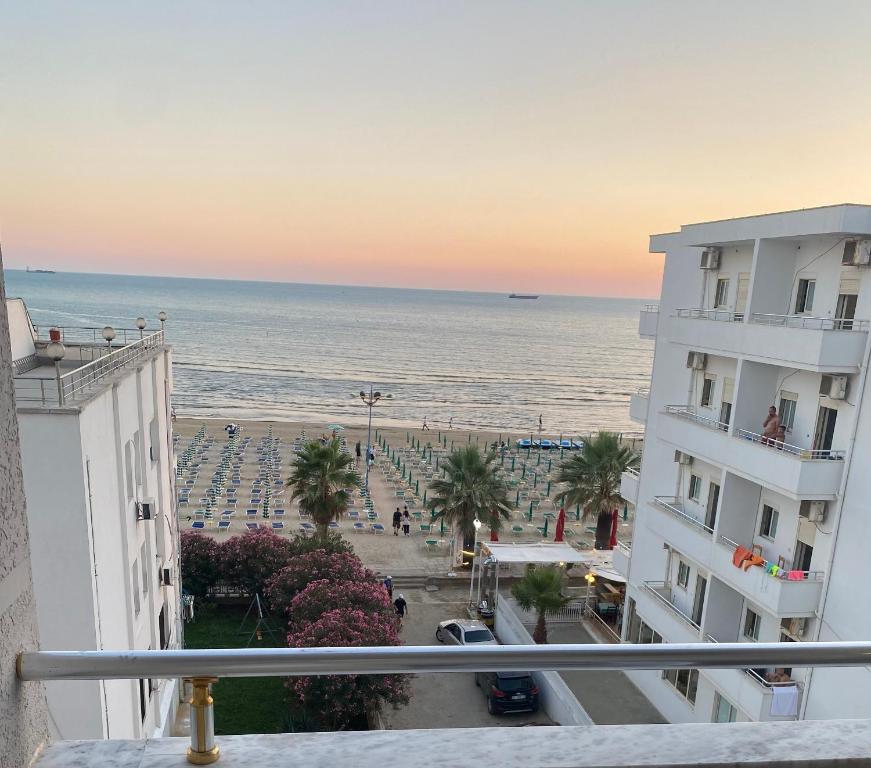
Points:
[(557, 698), (23, 724)]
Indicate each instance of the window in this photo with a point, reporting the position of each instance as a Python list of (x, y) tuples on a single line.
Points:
[(683, 574), (639, 631), (685, 681), (695, 487), (786, 412), (137, 458), (128, 468), (154, 437), (721, 296), (752, 620), (708, 391), (144, 560), (724, 712), (804, 299), (135, 583), (143, 700), (768, 525)]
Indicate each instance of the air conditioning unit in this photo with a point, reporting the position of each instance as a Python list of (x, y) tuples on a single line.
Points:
[(814, 511), (834, 387), (697, 361), (857, 253), (166, 577), (683, 458), (710, 259), (146, 509), (797, 627)]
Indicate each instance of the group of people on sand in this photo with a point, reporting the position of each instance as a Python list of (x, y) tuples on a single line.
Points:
[(402, 520)]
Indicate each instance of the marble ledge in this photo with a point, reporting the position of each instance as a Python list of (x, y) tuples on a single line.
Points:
[(806, 744)]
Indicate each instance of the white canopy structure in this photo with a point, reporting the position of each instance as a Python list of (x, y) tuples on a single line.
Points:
[(533, 553)]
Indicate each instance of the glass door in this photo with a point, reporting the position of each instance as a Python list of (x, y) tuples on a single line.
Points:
[(825, 429), (699, 599), (713, 502)]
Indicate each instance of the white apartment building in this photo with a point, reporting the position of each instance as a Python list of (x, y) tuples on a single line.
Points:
[(740, 538), (97, 459)]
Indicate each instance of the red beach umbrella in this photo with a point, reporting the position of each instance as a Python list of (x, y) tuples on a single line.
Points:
[(615, 518), (560, 526), (494, 535)]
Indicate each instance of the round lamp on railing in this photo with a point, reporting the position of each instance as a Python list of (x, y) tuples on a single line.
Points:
[(162, 317), (56, 351), (109, 335), (140, 324)]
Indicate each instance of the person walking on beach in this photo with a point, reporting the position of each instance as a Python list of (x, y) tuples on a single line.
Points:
[(401, 607), (397, 521), (388, 585), (451, 422), (540, 425), (425, 427), (406, 522), (357, 453)]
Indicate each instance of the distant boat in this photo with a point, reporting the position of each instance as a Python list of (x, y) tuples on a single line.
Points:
[(40, 271), (521, 296)]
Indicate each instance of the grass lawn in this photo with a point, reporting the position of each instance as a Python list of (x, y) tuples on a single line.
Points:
[(242, 704)]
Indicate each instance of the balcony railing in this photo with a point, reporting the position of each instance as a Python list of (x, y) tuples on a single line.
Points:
[(69, 386), (650, 308), (806, 454), (757, 678), (662, 592), (722, 315), (782, 573), (675, 506), (690, 413), (73, 334), (812, 323)]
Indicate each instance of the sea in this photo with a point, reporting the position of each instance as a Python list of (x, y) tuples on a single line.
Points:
[(294, 352)]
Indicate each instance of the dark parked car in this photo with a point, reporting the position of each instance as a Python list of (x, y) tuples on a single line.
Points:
[(508, 691)]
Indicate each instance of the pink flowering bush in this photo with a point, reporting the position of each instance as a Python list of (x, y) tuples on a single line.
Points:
[(250, 560), (324, 595), (200, 562), (334, 702), (313, 566)]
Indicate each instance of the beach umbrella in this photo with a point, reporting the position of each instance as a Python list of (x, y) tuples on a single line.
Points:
[(470, 438), (547, 492), (513, 459), (417, 487), (559, 534), (625, 511), (335, 428), (546, 521), (424, 496), (494, 534), (534, 479), (442, 527), (517, 498), (523, 474), (530, 512), (614, 523), (578, 512)]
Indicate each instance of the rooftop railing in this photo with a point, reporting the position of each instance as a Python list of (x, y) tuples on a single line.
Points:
[(73, 334), (650, 308), (721, 315), (69, 386), (690, 413), (662, 592), (812, 323), (783, 573), (675, 505), (806, 454)]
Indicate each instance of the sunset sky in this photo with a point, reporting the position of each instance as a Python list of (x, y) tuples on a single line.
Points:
[(472, 145)]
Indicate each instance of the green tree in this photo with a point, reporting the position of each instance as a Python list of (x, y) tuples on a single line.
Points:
[(540, 590), (592, 480), (322, 478), (471, 488)]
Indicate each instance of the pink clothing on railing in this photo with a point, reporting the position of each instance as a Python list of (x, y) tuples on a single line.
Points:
[(795, 576)]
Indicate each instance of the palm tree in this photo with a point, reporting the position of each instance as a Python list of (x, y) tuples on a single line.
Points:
[(321, 480), (592, 478), (540, 590), (470, 489)]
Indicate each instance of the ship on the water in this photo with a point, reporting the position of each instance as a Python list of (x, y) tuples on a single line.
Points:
[(40, 271), (522, 296)]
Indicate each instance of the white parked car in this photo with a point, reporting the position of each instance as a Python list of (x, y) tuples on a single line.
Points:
[(464, 632)]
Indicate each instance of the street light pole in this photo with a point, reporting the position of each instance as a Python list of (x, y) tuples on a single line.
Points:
[(477, 523), (370, 400)]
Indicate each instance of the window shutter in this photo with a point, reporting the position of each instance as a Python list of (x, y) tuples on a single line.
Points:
[(728, 390), (849, 286)]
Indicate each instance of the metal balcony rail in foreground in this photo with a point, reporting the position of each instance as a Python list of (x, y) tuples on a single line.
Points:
[(783, 573), (806, 454), (60, 390), (662, 592), (203, 667), (690, 413), (812, 323), (675, 505)]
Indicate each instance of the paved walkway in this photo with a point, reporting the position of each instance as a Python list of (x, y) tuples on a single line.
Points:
[(610, 698)]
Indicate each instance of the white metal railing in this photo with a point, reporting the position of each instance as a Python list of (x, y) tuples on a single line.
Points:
[(632, 471), (650, 308), (813, 323), (690, 413), (60, 390), (806, 454), (662, 592), (625, 548), (787, 575), (643, 392), (674, 505), (73, 334), (203, 667), (757, 678), (601, 624), (721, 315)]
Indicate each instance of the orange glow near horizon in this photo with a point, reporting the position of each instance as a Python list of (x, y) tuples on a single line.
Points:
[(500, 147)]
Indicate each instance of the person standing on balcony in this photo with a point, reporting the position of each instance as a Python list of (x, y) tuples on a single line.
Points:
[(770, 426)]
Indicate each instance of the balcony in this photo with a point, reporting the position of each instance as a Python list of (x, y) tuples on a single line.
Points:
[(824, 345), (682, 529), (797, 472), (666, 615), (629, 486), (621, 555), (648, 321), (638, 403), (790, 593)]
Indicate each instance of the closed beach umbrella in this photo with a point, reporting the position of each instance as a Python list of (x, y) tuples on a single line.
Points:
[(559, 535), (614, 522)]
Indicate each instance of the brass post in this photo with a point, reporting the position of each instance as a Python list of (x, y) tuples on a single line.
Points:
[(203, 750)]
